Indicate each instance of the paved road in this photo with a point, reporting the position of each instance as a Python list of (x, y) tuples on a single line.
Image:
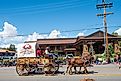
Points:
[(108, 72)]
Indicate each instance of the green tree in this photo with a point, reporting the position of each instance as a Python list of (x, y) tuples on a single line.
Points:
[(111, 50), (12, 47), (115, 33)]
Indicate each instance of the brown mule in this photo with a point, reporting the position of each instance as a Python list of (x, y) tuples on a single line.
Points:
[(83, 61), (76, 62)]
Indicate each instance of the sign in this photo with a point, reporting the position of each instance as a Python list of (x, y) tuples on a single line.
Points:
[(26, 50)]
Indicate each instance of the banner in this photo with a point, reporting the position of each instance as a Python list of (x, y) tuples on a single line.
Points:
[(26, 50)]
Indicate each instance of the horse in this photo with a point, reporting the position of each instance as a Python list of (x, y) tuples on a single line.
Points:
[(83, 61), (75, 62)]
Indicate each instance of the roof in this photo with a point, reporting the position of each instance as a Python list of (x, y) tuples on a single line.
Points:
[(96, 36), (30, 41), (99, 34), (99, 38), (57, 41), (4, 50)]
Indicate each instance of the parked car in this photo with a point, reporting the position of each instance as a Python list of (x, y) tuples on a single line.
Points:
[(68, 56)]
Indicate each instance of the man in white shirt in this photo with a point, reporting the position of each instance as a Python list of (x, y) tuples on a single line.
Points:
[(47, 50), (47, 53)]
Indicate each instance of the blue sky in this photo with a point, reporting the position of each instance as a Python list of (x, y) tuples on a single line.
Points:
[(44, 16)]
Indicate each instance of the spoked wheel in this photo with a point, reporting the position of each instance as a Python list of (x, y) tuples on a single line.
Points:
[(56, 67), (20, 69), (49, 69), (29, 68)]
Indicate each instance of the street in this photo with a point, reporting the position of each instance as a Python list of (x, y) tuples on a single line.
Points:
[(109, 72)]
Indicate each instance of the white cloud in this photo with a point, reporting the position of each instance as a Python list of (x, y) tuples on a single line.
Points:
[(80, 34), (8, 30), (118, 31), (9, 36), (35, 36), (54, 34)]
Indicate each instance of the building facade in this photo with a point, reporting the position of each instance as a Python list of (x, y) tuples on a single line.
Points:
[(60, 46), (93, 43)]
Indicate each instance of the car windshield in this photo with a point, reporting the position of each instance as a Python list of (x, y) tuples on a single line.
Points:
[(69, 56)]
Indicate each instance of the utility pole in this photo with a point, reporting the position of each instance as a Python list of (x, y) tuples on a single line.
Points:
[(105, 5)]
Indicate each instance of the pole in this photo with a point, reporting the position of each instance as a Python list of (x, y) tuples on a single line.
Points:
[(106, 36), (104, 6)]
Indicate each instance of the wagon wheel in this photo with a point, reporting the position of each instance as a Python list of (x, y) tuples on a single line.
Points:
[(27, 67), (49, 69), (20, 69), (56, 67)]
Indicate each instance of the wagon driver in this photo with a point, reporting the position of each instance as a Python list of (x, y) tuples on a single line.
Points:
[(47, 50), (47, 53)]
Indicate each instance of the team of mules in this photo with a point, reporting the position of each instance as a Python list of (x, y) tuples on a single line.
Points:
[(82, 61)]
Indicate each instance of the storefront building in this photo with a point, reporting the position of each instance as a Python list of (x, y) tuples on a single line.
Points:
[(93, 43)]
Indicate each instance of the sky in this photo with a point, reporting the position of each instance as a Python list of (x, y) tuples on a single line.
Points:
[(27, 20)]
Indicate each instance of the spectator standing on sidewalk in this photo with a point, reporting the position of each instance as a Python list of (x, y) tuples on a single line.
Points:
[(97, 60)]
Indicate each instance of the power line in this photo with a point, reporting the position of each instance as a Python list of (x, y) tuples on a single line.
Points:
[(45, 5), (56, 6), (95, 28), (67, 31)]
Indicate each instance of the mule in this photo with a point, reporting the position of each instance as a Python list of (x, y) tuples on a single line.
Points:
[(76, 62), (83, 61)]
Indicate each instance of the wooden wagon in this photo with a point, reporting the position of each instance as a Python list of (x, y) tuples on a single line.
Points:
[(27, 61), (25, 65)]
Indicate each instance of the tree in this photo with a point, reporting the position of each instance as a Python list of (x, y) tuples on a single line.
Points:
[(12, 47), (115, 33), (111, 50)]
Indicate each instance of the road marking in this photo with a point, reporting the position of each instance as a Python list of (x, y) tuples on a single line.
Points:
[(103, 75), (107, 74)]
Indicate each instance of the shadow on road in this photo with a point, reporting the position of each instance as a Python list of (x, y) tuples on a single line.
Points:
[(62, 73)]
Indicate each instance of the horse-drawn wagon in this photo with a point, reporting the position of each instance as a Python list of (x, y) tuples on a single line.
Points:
[(28, 62)]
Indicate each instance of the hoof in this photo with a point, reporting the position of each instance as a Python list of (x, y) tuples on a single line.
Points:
[(64, 73), (70, 73)]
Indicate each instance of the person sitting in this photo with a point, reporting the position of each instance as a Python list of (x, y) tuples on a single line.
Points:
[(38, 53), (47, 53), (47, 50)]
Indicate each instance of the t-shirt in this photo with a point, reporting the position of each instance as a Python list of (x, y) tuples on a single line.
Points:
[(46, 52), (38, 52)]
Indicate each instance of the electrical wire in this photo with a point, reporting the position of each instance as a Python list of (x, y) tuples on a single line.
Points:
[(67, 31), (45, 5), (46, 8)]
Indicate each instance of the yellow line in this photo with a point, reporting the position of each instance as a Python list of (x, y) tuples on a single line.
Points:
[(102, 75), (106, 68)]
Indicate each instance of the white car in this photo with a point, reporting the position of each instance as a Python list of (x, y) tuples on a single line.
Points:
[(69, 56)]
